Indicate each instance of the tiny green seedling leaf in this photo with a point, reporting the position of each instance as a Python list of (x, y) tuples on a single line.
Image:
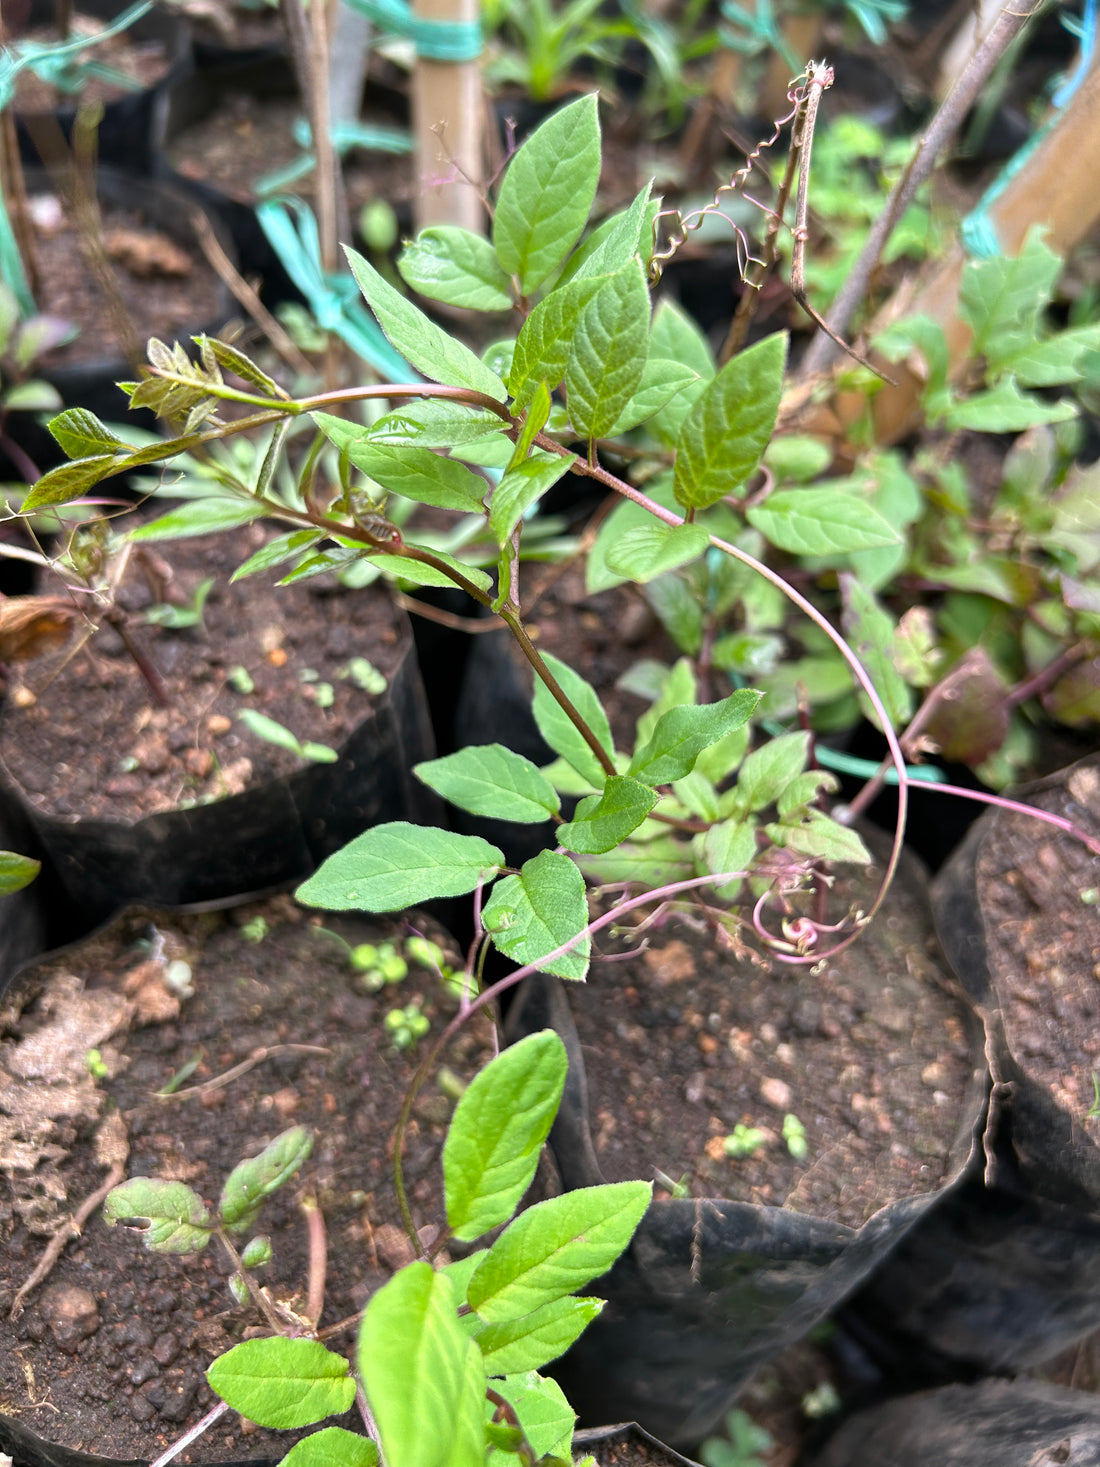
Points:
[(534, 913), (555, 1247), (250, 1182), (603, 821), (558, 729), (397, 865), (682, 734), (170, 1217), (283, 1383), (496, 1133), (536, 1339), (278, 734), (820, 522), (490, 780), (332, 1446)]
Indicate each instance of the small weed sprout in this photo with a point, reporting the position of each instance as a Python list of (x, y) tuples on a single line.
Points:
[(794, 1134), (744, 1141), (406, 1026)]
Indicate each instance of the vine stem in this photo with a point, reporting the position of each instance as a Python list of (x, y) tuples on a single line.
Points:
[(192, 1435)]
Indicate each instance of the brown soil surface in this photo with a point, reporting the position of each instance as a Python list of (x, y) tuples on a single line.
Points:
[(94, 743), (872, 1055), (1040, 890), (109, 1354), (144, 62)]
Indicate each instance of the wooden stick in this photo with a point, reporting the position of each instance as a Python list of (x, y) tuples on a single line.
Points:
[(447, 119)]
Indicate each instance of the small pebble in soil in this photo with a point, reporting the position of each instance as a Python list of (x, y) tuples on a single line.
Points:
[(71, 1313)]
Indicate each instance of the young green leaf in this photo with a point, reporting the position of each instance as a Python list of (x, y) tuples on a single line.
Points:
[(235, 361), (69, 481), (426, 346), (414, 1361), (555, 1247), (661, 382), (16, 872), (820, 522), (723, 437), (651, 863), (608, 352), (524, 483), (277, 552), (871, 630), (558, 729), (533, 1341), (821, 838), (456, 266), (258, 1177), (435, 422), (490, 780), (767, 771), (547, 193), (682, 734), (603, 821), (81, 435), (545, 340), (332, 1446), (544, 1413), (171, 1218), (283, 1383), (654, 549), (1001, 298), (729, 845), (200, 517), (532, 914), (534, 421), (396, 865), (616, 241), (420, 573), (417, 473), (496, 1133), (1005, 409)]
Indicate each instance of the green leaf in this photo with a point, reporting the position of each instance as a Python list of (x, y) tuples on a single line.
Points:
[(413, 1358), (435, 422), (682, 734), (417, 473), (16, 872), (420, 573), (614, 242), (662, 381), (722, 758), (797, 458), (653, 549), (820, 522), (69, 481), (547, 193), (555, 1247), (1005, 409), (171, 1218), (32, 397), (496, 1134), (397, 865), (332, 1446), (651, 863), (81, 435), (251, 1181), (470, 1432), (676, 337), (723, 437), (821, 838), (767, 771), (277, 552), (558, 729), (426, 346), (490, 780), (730, 845), (608, 352), (544, 1413), (533, 1341), (283, 1383), (1000, 299), (870, 631), (201, 517), (235, 361), (532, 914), (523, 485), (545, 340), (456, 266), (603, 821), (534, 421)]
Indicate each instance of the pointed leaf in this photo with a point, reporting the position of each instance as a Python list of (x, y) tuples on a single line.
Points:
[(397, 865), (69, 481), (251, 1181), (682, 734), (729, 845), (724, 436), (1005, 409), (16, 872), (523, 485), (653, 549), (490, 780), (532, 914), (536, 1339), (420, 573), (276, 552), (435, 422), (608, 352), (82, 435), (822, 839), (820, 522), (767, 771), (235, 361), (544, 1413), (171, 1218), (616, 241), (602, 821), (547, 193), (543, 346), (662, 380), (558, 729), (454, 265), (651, 863), (497, 1131), (201, 517), (417, 473), (283, 1383)]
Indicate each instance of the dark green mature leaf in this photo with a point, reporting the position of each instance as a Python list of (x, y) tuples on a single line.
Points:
[(490, 780), (547, 193), (534, 913), (653, 549), (536, 1339), (332, 1446), (396, 865), (255, 1179), (456, 266), (426, 346), (558, 729), (820, 522), (16, 872), (81, 435), (200, 517), (608, 352), (496, 1134), (417, 473), (724, 435), (545, 340), (69, 481), (171, 1218), (283, 1383), (555, 1247), (523, 485), (682, 734), (415, 1363), (602, 821)]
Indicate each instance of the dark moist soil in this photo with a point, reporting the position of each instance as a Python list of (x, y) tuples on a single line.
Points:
[(1039, 891), (109, 1353), (872, 1055), (167, 288), (94, 743)]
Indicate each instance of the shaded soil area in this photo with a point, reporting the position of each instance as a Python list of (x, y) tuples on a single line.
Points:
[(872, 1058), (110, 1350), (90, 740), (1039, 890), (142, 62)]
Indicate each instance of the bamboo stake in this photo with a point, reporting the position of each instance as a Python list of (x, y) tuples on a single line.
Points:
[(447, 122)]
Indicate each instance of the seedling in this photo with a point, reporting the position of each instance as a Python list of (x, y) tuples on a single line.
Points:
[(255, 930), (276, 733), (179, 617), (241, 680), (794, 1134), (744, 1141), (1094, 1110), (406, 1026), (745, 1442)]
